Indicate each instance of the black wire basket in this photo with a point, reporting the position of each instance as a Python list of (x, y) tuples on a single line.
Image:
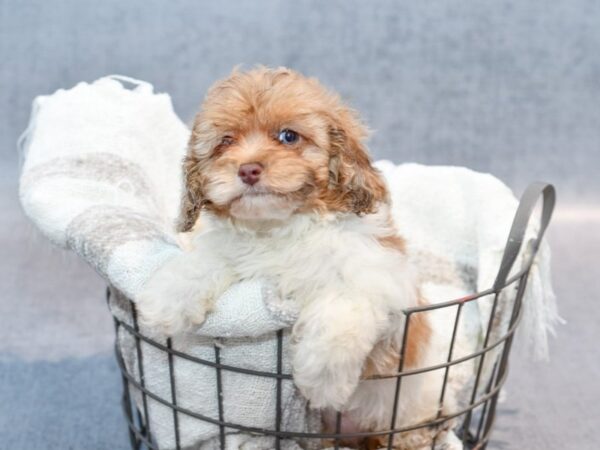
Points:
[(472, 424)]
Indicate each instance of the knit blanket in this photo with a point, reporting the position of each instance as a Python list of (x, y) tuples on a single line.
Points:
[(101, 176)]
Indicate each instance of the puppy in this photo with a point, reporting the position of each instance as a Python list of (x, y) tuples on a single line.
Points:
[(278, 166)]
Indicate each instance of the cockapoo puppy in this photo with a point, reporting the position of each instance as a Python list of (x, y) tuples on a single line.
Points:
[(278, 166)]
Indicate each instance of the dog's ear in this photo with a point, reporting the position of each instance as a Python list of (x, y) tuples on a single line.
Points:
[(192, 198), (352, 177)]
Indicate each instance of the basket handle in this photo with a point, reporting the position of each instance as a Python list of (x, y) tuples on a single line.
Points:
[(517, 231)]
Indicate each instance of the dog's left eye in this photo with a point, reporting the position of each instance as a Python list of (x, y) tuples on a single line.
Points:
[(288, 136), (226, 141)]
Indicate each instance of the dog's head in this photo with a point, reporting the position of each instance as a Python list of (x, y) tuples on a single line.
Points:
[(269, 143)]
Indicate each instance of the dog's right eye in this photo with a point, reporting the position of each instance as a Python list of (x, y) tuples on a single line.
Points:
[(226, 141)]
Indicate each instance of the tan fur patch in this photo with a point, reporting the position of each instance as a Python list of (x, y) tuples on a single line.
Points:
[(394, 242), (384, 359)]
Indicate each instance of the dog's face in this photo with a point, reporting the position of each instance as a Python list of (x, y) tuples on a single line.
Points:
[(269, 143)]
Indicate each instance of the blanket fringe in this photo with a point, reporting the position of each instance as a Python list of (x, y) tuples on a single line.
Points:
[(540, 309)]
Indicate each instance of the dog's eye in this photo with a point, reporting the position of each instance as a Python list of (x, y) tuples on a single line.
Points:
[(226, 141), (288, 136)]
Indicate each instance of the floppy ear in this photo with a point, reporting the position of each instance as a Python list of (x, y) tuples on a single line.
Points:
[(356, 183), (192, 198)]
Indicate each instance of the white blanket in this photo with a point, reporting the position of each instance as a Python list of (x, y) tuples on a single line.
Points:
[(101, 176)]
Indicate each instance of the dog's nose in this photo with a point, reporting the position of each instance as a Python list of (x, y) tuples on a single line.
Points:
[(250, 173)]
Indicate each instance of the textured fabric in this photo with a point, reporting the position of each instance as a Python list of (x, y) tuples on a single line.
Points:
[(248, 400), (456, 223), (110, 192)]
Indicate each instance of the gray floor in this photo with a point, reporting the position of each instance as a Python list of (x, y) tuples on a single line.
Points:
[(509, 87)]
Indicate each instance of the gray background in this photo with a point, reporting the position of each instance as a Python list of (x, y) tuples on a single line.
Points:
[(511, 88)]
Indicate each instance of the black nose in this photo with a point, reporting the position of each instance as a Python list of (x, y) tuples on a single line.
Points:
[(250, 173)]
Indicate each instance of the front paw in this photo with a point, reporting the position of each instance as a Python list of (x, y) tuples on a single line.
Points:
[(171, 303), (169, 315), (328, 378)]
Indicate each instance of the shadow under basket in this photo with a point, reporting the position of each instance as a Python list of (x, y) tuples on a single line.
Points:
[(472, 422)]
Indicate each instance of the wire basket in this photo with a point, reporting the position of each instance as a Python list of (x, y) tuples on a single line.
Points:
[(473, 423)]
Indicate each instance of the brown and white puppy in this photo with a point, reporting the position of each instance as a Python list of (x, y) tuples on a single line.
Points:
[(279, 169)]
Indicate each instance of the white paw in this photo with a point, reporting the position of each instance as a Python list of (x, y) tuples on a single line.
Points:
[(326, 379), (169, 315), (172, 302)]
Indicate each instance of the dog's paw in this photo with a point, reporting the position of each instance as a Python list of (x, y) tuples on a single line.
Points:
[(169, 315), (326, 380), (326, 391), (171, 303)]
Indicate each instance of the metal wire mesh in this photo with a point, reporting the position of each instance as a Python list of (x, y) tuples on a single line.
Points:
[(474, 422)]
